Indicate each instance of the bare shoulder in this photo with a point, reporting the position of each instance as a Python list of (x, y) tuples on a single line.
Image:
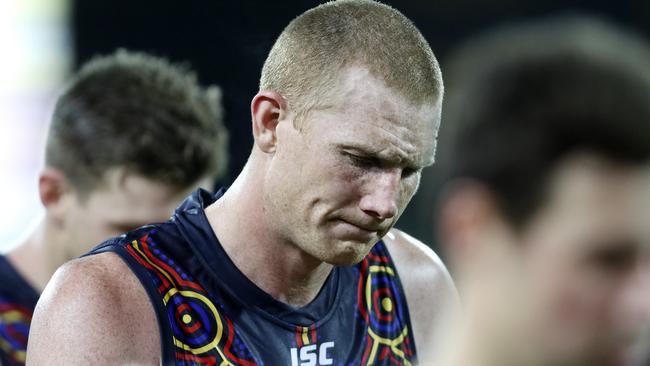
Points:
[(429, 289), (94, 311), (416, 261)]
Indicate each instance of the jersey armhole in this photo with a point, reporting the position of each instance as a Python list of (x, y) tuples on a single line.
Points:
[(164, 326), (398, 282)]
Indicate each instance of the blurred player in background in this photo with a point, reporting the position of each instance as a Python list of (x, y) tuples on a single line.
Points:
[(305, 267), (547, 199), (131, 135)]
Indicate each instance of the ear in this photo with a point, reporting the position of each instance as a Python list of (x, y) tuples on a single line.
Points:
[(268, 108), (466, 220), (52, 186)]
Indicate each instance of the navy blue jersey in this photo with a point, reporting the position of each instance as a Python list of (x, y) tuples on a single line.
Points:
[(17, 302), (210, 313)]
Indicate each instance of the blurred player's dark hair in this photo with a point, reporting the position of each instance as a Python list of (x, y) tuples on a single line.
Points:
[(139, 112), (522, 98)]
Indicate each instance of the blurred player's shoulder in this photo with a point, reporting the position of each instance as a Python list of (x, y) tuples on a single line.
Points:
[(427, 284), (95, 311)]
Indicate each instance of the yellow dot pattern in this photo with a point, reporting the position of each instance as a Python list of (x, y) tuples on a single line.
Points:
[(387, 304)]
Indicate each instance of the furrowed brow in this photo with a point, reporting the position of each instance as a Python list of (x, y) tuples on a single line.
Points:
[(387, 157)]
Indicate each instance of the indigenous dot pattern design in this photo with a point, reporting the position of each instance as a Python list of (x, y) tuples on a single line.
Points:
[(202, 335), (387, 339), (376, 329)]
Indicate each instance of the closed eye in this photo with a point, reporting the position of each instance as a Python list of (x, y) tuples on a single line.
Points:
[(373, 162), (364, 161)]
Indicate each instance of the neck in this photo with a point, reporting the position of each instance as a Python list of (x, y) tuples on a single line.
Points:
[(38, 257), (290, 275)]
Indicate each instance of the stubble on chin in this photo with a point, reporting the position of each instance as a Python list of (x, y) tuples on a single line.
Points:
[(350, 253)]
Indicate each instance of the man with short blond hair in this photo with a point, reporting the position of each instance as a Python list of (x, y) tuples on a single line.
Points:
[(297, 262), (308, 56)]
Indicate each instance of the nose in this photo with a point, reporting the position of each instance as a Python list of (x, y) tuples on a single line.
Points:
[(380, 199)]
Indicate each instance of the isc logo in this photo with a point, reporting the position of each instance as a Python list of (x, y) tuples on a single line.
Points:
[(311, 355)]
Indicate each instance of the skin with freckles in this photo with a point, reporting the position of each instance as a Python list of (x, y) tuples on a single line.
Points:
[(341, 182)]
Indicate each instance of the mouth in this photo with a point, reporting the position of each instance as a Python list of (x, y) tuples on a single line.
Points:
[(346, 229), (368, 228)]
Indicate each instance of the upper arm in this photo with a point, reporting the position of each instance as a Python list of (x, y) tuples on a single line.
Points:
[(94, 312), (429, 289)]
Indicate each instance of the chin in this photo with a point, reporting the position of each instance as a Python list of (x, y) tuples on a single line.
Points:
[(348, 253)]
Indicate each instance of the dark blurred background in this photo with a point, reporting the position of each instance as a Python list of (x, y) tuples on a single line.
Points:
[(226, 42)]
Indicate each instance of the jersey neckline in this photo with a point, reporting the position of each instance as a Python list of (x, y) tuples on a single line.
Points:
[(224, 274)]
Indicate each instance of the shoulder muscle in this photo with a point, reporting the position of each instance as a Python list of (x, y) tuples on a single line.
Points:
[(429, 289), (94, 311)]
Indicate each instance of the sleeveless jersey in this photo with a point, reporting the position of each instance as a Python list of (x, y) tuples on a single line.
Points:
[(210, 313), (17, 302)]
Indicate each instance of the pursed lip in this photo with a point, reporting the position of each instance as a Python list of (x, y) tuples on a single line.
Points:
[(368, 228)]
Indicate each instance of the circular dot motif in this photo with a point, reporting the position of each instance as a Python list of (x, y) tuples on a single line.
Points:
[(387, 304), (196, 320), (381, 297)]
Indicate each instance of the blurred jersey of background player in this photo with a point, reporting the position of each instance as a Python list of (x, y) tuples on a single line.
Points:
[(131, 135), (547, 197)]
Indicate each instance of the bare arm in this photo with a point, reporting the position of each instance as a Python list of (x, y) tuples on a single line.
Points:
[(94, 311), (430, 292)]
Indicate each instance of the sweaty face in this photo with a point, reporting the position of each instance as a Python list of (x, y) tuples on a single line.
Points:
[(587, 261), (124, 202), (337, 184)]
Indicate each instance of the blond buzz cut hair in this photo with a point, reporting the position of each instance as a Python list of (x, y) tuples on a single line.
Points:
[(307, 58)]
